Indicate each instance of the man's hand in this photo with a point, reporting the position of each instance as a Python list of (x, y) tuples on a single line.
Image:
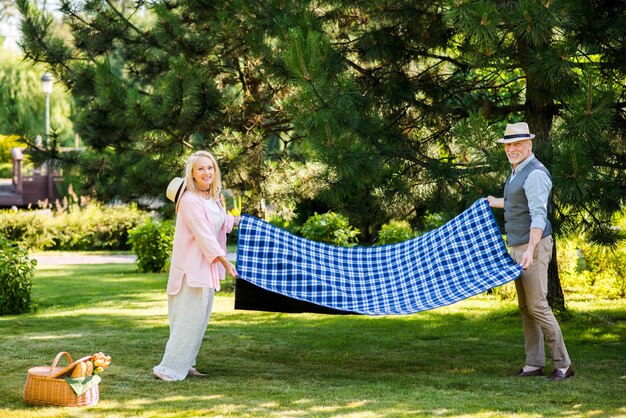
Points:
[(527, 259), (495, 202)]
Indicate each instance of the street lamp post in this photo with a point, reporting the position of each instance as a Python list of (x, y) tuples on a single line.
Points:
[(46, 87)]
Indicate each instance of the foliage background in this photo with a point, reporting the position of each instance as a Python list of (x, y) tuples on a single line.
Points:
[(22, 103), (377, 110)]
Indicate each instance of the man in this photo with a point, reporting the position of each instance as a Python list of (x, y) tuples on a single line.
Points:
[(529, 236)]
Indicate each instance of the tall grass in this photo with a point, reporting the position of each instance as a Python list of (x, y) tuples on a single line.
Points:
[(454, 361)]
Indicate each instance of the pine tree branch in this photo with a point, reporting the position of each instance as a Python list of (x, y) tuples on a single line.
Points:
[(126, 21), (316, 93), (52, 63), (280, 122), (241, 76), (363, 71), (461, 65), (90, 56)]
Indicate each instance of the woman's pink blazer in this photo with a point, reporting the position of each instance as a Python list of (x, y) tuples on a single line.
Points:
[(196, 246)]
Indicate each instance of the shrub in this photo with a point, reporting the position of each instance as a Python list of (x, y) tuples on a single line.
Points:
[(7, 142), (331, 228), (603, 269), (505, 292), (96, 227), (29, 229), (394, 232), (289, 226), (592, 269), (6, 170), (16, 277), (152, 243), (90, 227)]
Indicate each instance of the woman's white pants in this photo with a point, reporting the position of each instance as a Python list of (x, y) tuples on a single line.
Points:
[(189, 313)]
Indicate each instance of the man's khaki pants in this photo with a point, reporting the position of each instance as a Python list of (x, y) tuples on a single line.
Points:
[(539, 321)]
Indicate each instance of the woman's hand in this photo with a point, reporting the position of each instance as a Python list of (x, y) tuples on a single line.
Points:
[(230, 269), (228, 266), (236, 220)]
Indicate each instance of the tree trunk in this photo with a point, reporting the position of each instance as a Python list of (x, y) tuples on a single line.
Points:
[(555, 291), (540, 123), (539, 115)]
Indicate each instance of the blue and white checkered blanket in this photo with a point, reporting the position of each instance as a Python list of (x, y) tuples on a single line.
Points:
[(463, 258)]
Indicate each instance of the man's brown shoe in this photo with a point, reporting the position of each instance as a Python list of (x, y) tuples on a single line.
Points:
[(538, 372), (559, 375)]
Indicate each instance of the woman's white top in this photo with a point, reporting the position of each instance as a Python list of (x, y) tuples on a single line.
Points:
[(216, 214)]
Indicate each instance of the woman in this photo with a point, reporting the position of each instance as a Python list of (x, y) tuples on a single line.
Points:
[(198, 263)]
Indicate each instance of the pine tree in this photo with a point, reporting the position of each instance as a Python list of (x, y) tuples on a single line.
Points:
[(406, 99), (568, 54), (153, 82)]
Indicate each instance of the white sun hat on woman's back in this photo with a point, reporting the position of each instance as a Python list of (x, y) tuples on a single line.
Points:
[(175, 190)]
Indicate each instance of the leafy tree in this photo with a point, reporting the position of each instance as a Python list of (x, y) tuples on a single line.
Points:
[(22, 105)]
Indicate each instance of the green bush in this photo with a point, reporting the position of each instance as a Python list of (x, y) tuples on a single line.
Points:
[(331, 228), (603, 270), (30, 229), (152, 243), (73, 228), (289, 226), (394, 232), (7, 142), (592, 269), (16, 277), (96, 227), (505, 292), (584, 269), (6, 170)]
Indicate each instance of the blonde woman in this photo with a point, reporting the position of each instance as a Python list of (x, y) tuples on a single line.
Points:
[(198, 263)]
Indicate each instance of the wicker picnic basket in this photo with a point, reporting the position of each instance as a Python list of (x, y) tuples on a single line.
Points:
[(45, 385)]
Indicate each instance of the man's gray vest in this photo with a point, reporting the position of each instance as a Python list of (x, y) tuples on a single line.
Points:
[(516, 213)]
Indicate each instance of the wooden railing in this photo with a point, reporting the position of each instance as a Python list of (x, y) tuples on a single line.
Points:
[(30, 189)]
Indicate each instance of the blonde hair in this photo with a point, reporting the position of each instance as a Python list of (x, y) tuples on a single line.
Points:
[(216, 186)]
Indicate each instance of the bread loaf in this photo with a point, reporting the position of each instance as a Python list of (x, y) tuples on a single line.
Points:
[(89, 370), (80, 370)]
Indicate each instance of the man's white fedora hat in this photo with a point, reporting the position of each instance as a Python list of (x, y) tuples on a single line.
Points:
[(175, 190), (516, 132)]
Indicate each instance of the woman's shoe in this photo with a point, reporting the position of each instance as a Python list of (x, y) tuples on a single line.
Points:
[(163, 376), (195, 373)]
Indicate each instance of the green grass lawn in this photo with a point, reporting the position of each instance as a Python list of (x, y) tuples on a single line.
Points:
[(454, 361)]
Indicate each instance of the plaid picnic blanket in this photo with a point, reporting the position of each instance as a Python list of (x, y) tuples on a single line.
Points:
[(462, 258)]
